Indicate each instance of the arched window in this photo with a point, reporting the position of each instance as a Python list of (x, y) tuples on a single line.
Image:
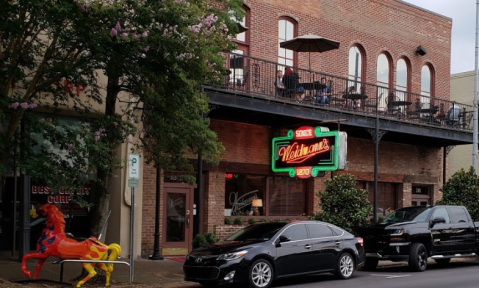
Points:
[(382, 70), (286, 31), (402, 78), (238, 65), (402, 75), (241, 37), (355, 70), (426, 85)]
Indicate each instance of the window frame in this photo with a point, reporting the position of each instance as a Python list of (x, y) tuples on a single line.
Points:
[(356, 80), (294, 59)]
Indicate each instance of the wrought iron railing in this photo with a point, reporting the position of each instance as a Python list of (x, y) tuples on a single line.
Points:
[(257, 77)]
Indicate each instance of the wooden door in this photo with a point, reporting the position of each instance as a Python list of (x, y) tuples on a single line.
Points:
[(177, 231)]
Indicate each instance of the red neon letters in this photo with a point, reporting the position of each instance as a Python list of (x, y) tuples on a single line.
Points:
[(304, 133), (295, 153)]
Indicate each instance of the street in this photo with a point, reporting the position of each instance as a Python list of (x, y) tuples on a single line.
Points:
[(455, 274)]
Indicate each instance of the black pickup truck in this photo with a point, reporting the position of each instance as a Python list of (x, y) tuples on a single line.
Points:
[(414, 234)]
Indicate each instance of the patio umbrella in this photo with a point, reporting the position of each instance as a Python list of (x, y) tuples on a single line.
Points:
[(310, 43)]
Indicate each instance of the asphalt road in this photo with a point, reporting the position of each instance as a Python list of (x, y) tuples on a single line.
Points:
[(458, 274)]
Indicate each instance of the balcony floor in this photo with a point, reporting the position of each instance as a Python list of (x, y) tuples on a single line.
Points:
[(280, 113)]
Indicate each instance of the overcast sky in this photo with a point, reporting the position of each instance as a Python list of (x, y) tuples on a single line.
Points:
[(463, 14)]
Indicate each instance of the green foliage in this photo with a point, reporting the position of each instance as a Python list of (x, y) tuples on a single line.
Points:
[(204, 240), (252, 221), (342, 204), (462, 189), (156, 54), (211, 238), (238, 221), (228, 221)]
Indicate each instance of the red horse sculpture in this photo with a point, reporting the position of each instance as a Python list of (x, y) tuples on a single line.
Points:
[(54, 242)]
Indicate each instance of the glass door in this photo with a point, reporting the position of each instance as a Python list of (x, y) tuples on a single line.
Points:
[(178, 219)]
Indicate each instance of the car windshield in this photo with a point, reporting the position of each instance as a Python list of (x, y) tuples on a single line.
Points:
[(257, 232), (416, 213)]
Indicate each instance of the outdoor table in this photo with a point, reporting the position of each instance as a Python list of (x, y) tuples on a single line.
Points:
[(313, 85), (354, 97)]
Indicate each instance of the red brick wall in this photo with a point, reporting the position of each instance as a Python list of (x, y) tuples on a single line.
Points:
[(148, 211), (244, 143), (378, 25), (223, 231)]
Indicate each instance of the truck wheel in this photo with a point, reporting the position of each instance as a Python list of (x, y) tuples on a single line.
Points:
[(418, 257), (444, 261), (371, 264)]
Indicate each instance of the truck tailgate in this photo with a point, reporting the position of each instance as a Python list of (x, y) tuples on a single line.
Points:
[(372, 236)]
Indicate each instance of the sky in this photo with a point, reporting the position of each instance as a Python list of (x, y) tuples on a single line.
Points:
[(463, 14)]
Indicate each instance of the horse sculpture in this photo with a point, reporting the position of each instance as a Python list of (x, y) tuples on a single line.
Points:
[(54, 242)]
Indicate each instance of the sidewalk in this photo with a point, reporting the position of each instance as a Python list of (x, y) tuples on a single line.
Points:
[(147, 273)]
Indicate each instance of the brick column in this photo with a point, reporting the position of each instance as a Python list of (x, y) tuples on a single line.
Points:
[(214, 200)]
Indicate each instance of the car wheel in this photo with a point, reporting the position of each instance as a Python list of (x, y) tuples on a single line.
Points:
[(418, 257), (345, 268), (371, 264), (444, 261), (260, 274)]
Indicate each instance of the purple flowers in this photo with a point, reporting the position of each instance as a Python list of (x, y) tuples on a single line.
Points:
[(113, 32), (23, 105), (99, 133)]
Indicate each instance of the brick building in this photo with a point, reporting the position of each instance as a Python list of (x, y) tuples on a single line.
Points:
[(396, 55)]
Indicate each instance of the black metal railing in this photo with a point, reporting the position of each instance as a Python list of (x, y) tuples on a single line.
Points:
[(257, 77)]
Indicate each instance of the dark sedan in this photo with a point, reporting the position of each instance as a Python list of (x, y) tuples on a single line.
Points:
[(262, 252)]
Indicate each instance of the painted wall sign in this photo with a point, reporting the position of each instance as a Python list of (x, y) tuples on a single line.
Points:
[(308, 150)]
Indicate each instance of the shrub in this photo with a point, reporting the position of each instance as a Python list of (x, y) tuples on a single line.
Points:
[(238, 221), (204, 240), (251, 221), (462, 189), (228, 221), (343, 205), (211, 238)]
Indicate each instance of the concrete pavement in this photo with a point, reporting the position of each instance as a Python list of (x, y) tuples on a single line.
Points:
[(147, 273)]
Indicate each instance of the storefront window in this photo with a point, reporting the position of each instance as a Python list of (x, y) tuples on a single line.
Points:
[(286, 196), (240, 191), (280, 196)]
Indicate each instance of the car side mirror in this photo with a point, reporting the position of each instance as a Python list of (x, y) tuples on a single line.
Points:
[(284, 238), (437, 220)]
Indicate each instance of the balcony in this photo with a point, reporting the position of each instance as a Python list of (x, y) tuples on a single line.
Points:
[(249, 95)]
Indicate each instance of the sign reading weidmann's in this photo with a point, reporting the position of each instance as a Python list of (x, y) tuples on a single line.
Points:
[(307, 150)]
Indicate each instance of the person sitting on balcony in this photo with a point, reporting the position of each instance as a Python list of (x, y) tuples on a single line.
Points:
[(323, 94), (453, 115), (291, 83), (278, 83)]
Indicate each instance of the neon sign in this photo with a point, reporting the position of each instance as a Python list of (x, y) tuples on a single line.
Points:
[(307, 150)]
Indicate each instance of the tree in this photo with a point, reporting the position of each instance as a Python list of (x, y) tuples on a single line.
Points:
[(155, 55), (462, 189), (342, 204)]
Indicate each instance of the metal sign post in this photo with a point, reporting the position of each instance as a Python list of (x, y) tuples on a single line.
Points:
[(133, 176)]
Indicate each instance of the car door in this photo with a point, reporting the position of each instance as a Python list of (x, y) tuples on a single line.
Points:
[(441, 232), (294, 256), (326, 245), (462, 236)]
